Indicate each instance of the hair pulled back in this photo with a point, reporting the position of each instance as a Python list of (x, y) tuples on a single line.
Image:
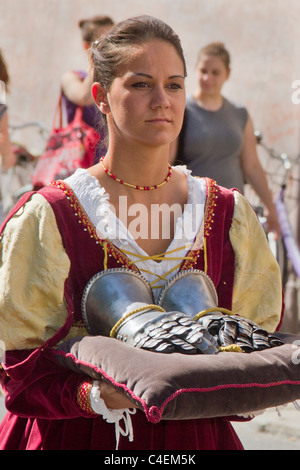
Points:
[(215, 49), (92, 28), (111, 52)]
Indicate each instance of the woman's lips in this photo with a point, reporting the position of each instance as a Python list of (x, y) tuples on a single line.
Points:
[(159, 120)]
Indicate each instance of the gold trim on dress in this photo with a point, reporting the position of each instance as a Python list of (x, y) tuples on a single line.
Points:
[(120, 256)]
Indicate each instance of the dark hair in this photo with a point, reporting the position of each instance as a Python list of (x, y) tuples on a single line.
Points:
[(109, 54), (91, 28), (4, 77), (216, 49)]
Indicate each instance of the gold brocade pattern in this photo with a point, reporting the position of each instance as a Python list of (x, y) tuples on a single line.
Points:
[(33, 268), (257, 292)]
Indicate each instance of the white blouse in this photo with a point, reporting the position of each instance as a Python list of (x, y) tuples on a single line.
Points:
[(95, 201)]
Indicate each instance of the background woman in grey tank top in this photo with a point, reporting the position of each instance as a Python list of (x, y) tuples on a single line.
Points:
[(217, 138), (214, 142)]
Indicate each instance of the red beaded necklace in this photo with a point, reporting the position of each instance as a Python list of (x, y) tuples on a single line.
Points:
[(135, 186)]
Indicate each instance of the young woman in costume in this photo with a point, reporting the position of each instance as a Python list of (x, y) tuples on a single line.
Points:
[(56, 240)]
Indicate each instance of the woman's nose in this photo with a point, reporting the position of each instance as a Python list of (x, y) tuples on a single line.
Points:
[(160, 98)]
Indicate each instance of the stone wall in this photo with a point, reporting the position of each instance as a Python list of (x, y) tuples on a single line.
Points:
[(40, 40)]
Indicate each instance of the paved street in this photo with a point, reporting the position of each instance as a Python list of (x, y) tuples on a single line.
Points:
[(266, 432), (270, 431)]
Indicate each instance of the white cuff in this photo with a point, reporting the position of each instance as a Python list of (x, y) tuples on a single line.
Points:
[(112, 416)]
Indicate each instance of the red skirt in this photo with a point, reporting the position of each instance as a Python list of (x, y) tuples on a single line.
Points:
[(17, 433)]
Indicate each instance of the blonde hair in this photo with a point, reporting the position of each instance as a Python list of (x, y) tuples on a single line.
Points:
[(215, 49)]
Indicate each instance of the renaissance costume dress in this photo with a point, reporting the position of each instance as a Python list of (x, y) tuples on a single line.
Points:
[(52, 244)]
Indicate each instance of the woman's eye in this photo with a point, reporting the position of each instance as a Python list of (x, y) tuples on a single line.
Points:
[(172, 86), (175, 86), (140, 85)]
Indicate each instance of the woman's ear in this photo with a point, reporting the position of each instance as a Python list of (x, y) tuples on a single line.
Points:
[(100, 97)]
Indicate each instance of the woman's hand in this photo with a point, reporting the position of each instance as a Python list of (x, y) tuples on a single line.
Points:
[(273, 223), (114, 399)]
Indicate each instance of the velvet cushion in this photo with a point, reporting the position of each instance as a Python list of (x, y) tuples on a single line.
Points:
[(178, 386)]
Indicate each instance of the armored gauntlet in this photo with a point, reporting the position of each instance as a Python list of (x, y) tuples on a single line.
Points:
[(233, 330), (193, 293), (119, 303)]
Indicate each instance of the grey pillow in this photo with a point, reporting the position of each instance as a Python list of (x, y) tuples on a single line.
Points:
[(178, 386)]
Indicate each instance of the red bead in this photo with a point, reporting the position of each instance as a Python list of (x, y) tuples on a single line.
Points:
[(145, 188)]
